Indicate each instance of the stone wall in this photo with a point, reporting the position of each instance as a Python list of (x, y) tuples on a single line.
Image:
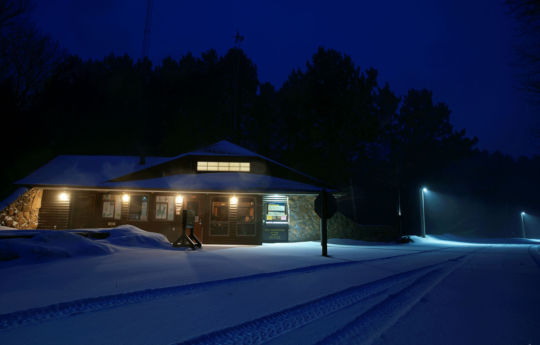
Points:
[(304, 224), (23, 212), (303, 221)]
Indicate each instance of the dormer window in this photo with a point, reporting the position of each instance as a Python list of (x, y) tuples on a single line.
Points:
[(223, 166)]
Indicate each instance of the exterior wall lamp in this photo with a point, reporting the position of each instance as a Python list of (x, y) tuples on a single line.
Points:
[(63, 196)]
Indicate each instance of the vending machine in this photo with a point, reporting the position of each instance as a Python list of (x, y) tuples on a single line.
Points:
[(275, 220)]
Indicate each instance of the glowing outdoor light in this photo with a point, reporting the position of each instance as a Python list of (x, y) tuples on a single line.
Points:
[(63, 196), (234, 200), (125, 197), (423, 218), (523, 224), (179, 199)]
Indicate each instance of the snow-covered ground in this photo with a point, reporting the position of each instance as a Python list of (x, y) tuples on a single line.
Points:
[(132, 288)]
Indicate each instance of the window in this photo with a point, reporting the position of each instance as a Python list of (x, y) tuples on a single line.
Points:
[(219, 218), (220, 209), (246, 217), (112, 206), (138, 208), (246, 210), (164, 207), (276, 212), (224, 166)]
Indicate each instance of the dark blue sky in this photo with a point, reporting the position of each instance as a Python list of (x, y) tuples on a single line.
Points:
[(461, 50)]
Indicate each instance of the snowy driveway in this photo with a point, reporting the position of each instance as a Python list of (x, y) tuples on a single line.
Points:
[(429, 293)]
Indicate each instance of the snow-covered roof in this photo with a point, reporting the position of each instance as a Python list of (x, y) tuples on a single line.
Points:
[(226, 148), (98, 171), (74, 170), (221, 182)]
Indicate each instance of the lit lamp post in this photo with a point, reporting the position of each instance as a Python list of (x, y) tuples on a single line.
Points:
[(523, 224), (423, 218)]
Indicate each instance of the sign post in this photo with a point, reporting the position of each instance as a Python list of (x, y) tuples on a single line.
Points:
[(325, 207)]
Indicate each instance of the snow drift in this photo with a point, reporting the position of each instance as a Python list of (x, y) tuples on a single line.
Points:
[(33, 246)]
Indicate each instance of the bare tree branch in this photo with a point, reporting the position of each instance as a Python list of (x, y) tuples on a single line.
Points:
[(10, 10), (527, 14)]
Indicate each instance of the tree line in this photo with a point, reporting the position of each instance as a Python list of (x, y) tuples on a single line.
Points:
[(330, 119)]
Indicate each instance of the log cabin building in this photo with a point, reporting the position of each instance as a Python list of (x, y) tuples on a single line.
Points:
[(236, 195)]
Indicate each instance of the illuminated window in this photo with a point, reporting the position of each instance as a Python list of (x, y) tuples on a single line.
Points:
[(220, 209), (246, 217), (246, 210), (276, 211), (165, 207), (112, 206), (224, 166), (219, 217)]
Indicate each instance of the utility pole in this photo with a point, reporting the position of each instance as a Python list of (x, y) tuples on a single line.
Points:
[(399, 214), (147, 26)]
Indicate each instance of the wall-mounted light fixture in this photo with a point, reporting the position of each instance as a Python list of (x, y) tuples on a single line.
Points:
[(179, 200), (63, 196), (233, 200), (125, 197)]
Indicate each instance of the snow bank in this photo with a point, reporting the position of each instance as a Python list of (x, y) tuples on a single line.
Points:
[(132, 236), (35, 246), (514, 240), (349, 242), (453, 240), (47, 245)]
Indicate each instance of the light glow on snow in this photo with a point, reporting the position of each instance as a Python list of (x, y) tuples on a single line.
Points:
[(361, 290)]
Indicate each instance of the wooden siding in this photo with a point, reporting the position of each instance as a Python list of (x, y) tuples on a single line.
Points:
[(85, 208), (54, 213), (83, 212)]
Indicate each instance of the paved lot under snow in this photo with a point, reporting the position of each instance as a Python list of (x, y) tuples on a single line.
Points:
[(428, 292)]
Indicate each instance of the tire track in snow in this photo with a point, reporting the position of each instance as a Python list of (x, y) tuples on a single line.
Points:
[(94, 304), (373, 323), (271, 326)]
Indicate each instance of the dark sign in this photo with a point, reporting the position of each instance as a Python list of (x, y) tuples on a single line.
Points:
[(331, 205), (276, 234)]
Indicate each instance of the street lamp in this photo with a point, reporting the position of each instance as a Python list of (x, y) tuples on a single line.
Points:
[(423, 219), (523, 224)]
